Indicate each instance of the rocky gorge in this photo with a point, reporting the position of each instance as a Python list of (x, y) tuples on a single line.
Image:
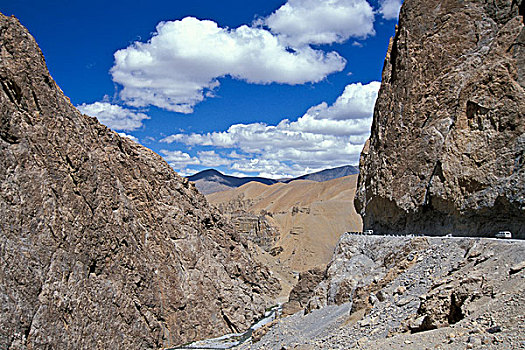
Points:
[(445, 158), (103, 245)]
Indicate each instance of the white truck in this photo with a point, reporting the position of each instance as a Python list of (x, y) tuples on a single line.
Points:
[(503, 234)]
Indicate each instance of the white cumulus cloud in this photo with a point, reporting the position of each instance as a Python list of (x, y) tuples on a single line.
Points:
[(187, 172), (325, 136), (389, 9), (114, 116), (303, 22), (182, 61), (131, 137), (179, 159), (212, 159)]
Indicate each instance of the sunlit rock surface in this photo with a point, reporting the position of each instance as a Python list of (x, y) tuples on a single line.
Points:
[(102, 245)]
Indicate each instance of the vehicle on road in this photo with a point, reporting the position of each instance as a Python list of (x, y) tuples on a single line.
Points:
[(503, 234)]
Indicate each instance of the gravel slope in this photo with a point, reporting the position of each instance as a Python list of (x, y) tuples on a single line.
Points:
[(469, 290)]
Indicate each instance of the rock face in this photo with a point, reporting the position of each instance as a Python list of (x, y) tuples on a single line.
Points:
[(447, 148), (102, 245), (254, 227), (361, 266), (303, 290)]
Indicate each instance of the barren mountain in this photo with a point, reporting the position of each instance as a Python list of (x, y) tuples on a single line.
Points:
[(328, 174), (211, 181), (310, 216), (446, 152), (102, 244)]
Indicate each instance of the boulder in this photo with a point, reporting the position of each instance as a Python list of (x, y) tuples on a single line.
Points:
[(303, 290)]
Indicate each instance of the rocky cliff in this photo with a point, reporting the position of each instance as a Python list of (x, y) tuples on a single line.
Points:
[(447, 148), (102, 245)]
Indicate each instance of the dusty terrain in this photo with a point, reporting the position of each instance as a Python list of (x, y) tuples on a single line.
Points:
[(310, 216)]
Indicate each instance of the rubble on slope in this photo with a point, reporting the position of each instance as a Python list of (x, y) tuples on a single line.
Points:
[(418, 291)]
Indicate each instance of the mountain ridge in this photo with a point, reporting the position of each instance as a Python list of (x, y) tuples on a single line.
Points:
[(211, 180), (309, 217)]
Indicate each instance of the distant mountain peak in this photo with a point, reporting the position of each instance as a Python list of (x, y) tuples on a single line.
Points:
[(204, 174), (211, 180), (328, 174)]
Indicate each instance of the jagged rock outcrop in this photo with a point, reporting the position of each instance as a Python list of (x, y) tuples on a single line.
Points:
[(256, 229), (253, 227), (303, 290), (102, 245), (447, 148), (361, 267)]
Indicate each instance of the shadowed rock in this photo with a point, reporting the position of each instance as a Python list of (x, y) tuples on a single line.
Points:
[(303, 290)]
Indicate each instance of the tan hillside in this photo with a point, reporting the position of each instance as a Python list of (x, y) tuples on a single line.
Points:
[(310, 216)]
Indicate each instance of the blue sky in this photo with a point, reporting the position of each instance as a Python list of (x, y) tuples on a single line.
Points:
[(260, 87)]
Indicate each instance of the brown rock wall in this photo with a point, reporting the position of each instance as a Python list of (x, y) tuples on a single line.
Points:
[(102, 244), (447, 148)]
